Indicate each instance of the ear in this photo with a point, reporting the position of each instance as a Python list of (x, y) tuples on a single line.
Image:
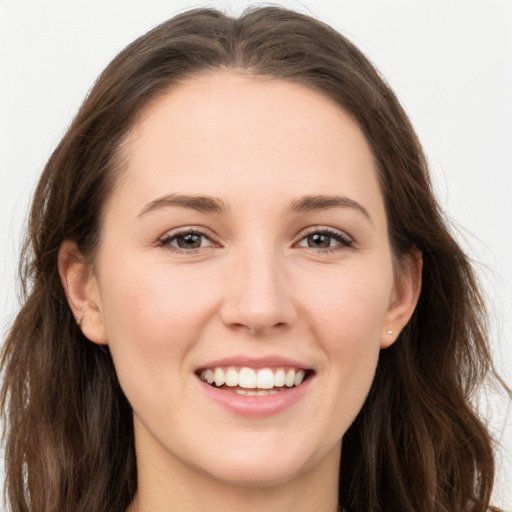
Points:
[(82, 291), (405, 295)]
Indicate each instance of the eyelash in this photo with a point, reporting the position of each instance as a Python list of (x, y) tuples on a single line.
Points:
[(344, 240), (166, 240)]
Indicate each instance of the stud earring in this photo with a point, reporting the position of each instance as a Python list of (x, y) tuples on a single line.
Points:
[(390, 331), (79, 322)]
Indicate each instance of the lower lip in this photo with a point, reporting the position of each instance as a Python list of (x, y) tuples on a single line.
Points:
[(256, 406)]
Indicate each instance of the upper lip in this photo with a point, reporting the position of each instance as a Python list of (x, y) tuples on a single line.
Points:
[(255, 362)]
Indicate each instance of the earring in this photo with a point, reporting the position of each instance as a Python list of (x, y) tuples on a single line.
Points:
[(79, 322), (390, 331)]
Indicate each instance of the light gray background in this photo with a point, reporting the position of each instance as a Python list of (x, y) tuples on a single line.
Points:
[(449, 61)]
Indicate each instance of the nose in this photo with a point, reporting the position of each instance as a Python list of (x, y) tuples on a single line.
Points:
[(258, 297)]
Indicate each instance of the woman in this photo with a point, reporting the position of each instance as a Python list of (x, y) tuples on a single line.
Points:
[(241, 291)]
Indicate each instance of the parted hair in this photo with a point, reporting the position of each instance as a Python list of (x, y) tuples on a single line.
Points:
[(417, 445)]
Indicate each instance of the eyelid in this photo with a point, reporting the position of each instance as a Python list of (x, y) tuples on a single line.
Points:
[(344, 239), (163, 241)]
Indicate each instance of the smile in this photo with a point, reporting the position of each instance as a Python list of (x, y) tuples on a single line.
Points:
[(253, 382)]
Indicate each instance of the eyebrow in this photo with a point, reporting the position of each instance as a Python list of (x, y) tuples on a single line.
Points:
[(322, 202), (208, 204), (203, 204)]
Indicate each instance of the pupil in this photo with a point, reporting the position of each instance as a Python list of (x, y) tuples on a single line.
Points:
[(318, 240), (189, 241)]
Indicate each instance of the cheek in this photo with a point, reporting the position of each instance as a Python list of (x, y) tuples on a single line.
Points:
[(155, 301), (349, 317), (153, 317), (350, 308)]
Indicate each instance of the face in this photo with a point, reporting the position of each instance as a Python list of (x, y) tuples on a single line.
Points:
[(244, 280)]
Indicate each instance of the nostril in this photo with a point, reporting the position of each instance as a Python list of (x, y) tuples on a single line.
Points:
[(257, 307), (254, 329)]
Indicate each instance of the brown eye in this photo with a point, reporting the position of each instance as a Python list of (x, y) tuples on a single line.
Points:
[(318, 241), (326, 239), (189, 241), (186, 241)]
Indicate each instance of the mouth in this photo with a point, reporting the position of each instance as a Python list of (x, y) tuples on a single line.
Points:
[(254, 381)]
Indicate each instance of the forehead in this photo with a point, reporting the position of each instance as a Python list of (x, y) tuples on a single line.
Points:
[(208, 107), (227, 130)]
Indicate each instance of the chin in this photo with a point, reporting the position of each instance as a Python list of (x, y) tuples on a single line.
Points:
[(258, 466), (247, 474)]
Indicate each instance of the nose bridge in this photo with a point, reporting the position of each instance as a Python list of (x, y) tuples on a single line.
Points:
[(257, 296)]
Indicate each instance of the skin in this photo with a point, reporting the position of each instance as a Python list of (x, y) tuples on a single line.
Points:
[(256, 286)]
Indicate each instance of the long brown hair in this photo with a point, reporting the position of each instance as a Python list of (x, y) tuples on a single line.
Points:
[(417, 444)]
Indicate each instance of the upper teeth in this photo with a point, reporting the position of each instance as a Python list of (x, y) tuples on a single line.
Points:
[(248, 378)]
